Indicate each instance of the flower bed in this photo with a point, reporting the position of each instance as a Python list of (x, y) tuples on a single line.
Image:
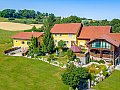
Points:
[(98, 72)]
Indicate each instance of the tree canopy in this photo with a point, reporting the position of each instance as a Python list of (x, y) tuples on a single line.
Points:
[(33, 47), (75, 77), (48, 42), (71, 56), (38, 17), (61, 44)]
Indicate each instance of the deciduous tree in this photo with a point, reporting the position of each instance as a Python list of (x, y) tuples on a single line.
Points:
[(75, 77)]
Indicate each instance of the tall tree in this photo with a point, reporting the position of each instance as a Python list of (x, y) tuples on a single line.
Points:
[(8, 13), (33, 47), (48, 42), (48, 37)]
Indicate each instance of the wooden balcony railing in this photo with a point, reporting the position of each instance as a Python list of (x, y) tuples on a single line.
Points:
[(103, 55)]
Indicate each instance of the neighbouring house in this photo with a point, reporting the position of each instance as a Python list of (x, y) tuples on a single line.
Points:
[(22, 39), (99, 41), (66, 32), (106, 47), (89, 32)]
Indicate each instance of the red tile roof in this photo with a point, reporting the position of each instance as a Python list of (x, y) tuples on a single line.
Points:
[(108, 38), (99, 32), (27, 35), (90, 32), (71, 28), (75, 49), (115, 36)]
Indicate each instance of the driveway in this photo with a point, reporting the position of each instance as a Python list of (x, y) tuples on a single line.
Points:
[(17, 54)]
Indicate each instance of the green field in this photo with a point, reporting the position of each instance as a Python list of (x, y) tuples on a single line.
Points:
[(111, 83), (18, 73), (3, 19), (5, 36)]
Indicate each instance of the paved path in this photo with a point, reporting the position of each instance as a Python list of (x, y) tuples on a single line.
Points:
[(17, 54), (117, 67)]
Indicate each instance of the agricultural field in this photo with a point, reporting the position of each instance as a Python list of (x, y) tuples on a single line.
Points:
[(17, 26), (37, 25)]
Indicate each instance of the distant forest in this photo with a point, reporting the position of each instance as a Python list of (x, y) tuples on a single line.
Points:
[(36, 17)]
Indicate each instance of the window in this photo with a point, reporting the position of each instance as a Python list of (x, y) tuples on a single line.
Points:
[(23, 42), (55, 34), (60, 34), (98, 44), (55, 41), (101, 44), (70, 35), (108, 45), (93, 44)]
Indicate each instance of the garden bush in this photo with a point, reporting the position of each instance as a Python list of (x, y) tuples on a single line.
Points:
[(50, 58), (101, 61), (61, 54), (98, 61)]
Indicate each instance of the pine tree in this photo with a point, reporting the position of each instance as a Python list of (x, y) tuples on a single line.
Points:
[(48, 42), (50, 47), (33, 47)]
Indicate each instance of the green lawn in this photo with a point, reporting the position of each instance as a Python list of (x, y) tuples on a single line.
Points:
[(5, 36), (111, 83), (18, 73)]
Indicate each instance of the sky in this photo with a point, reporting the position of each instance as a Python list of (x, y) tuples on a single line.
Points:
[(91, 9)]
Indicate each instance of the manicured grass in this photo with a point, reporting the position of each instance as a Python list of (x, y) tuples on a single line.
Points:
[(111, 83), (19, 73), (5, 36)]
